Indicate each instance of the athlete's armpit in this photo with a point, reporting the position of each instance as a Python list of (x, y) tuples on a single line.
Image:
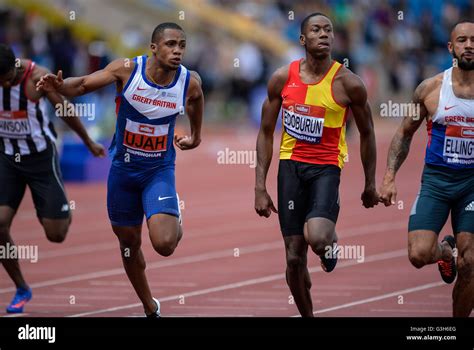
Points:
[(194, 110)]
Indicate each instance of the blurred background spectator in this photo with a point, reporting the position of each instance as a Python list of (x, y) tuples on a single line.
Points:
[(236, 45)]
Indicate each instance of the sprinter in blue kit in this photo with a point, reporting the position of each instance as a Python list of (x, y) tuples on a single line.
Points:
[(151, 93)]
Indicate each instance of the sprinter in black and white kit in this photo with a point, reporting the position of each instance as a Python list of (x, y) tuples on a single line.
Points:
[(28, 157)]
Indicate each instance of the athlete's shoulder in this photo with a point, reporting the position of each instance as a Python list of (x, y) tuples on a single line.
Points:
[(278, 79), (352, 84), (281, 74), (37, 71), (122, 65), (195, 85), (349, 79), (195, 77), (428, 86), (121, 68)]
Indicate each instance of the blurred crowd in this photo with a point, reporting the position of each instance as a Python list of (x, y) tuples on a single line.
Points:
[(391, 44)]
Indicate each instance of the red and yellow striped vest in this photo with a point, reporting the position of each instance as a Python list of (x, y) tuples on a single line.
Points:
[(314, 124)]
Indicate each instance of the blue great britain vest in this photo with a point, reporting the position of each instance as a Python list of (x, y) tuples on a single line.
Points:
[(146, 116)]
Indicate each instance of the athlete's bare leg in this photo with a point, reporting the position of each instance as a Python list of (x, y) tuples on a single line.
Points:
[(321, 235), (463, 292), (165, 233), (56, 229), (134, 263), (11, 265), (297, 275), (424, 248)]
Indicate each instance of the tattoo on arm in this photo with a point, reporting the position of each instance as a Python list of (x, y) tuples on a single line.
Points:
[(399, 149), (400, 145)]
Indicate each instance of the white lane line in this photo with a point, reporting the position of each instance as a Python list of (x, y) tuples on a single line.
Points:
[(15, 315), (224, 253), (411, 311), (220, 307), (250, 282), (379, 297), (66, 298), (246, 301)]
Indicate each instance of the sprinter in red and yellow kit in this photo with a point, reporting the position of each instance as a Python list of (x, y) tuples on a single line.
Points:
[(314, 95)]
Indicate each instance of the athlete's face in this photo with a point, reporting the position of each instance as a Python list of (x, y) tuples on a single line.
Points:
[(318, 36), (7, 79), (170, 48), (461, 45)]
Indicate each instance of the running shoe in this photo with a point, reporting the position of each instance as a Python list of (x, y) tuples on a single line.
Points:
[(447, 269), (22, 296), (330, 263), (157, 313)]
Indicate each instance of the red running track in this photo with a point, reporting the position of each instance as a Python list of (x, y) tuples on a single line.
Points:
[(230, 261)]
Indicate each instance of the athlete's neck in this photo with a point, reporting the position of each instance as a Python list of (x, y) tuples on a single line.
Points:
[(159, 74), (317, 65), (463, 77), (20, 71)]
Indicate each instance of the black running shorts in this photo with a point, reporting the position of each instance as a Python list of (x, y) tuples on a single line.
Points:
[(41, 173), (306, 191)]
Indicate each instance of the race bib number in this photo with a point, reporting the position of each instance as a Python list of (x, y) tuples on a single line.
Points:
[(304, 122), (145, 138), (459, 144), (14, 124)]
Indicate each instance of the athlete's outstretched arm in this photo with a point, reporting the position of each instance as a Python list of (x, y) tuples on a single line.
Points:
[(194, 110), (77, 86), (270, 110), (363, 118), (400, 147), (73, 122)]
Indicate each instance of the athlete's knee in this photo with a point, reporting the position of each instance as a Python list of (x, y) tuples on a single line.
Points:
[(465, 265), (295, 261), (165, 244), (56, 235), (320, 242), (129, 239), (420, 256), (164, 239), (5, 223), (129, 246), (4, 229), (56, 230), (164, 233)]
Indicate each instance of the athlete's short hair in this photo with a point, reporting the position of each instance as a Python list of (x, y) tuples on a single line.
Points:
[(160, 28), (7, 59), (307, 18), (460, 22)]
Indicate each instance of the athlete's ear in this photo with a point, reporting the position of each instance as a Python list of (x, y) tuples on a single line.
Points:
[(450, 47), (153, 47), (302, 40)]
